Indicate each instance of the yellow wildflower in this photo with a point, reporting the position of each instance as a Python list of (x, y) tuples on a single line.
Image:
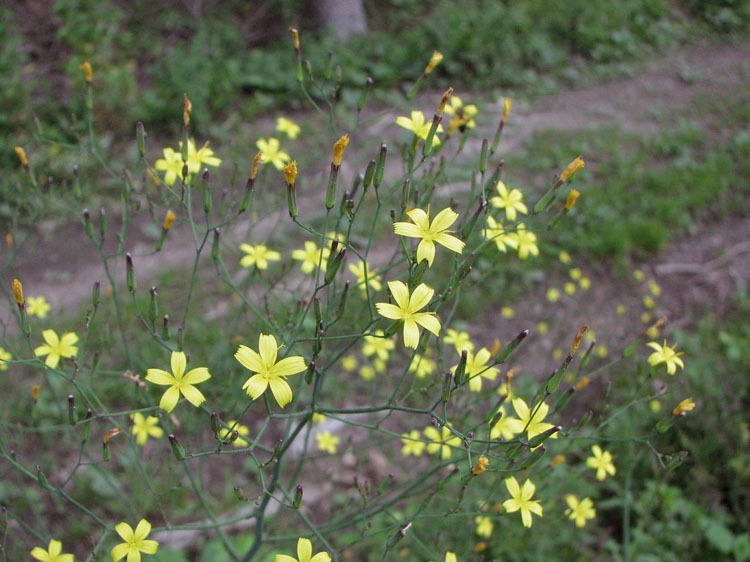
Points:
[(419, 127), (378, 345), (258, 255), (327, 442), (143, 427), (407, 309), (526, 241), (311, 256), (135, 542), (460, 340), (284, 125), (304, 546), (684, 406), (520, 499), (373, 279), (57, 347), (602, 462), (272, 153), (349, 362), (510, 200), (413, 445), (430, 233), (234, 425), (442, 444), (579, 511), (667, 355), (179, 382), (4, 357), (496, 232), (52, 554)]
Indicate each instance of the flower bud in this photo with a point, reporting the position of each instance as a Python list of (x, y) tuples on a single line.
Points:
[(380, 168), (405, 194), (165, 328), (501, 357), (534, 457), (369, 173), (41, 478), (87, 72), (447, 385), (188, 109), (435, 60), (572, 168), (129, 274), (446, 96), (338, 149), (207, 201), (215, 245), (542, 437), (481, 466), (72, 416), (153, 308), (168, 220), (177, 448), (295, 37), (140, 138), (460, 372), (363, 96), (297, 502), (572, 197), (310, 372), (483, 156), (17, 289), (35, 392), (507, 104), (21, 153), (342, 301), (559, 459), (684, 406)]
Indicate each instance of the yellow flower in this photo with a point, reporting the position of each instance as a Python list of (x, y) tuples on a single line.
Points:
[(496, 232), (234, 425), (684, 406), (87, 72), (484, 526), (378, 345), (21, 153), (430, 233), (311, 256), (584, 283), (284, 125), (290, 172), (418, 126), (526, 241), (318, 418), (542, 328), (57, 347), (304, 554), (413, 445), (460, 340), (510, 200), (579, 511), (655, 406), (407, 309), (269, 371), (421, 366), (620, 309), (477, 368), (179, 382), (507, 312), (481, 465), (143, 427), (648, 301), (532, 424), (349, 362), (258, 255), (553, 295), (52, 554), (521, 499), (570, 288), (373, 280), (507, 104), (602, 462), (442, 444), (506, 427), (667, 355), (168, 220), (575, 273), (559, 459), (367, 372), (135, 542), (463, 115), (172, 162), (327, 442), (638, 274), (37, 306), (564, 257), (653, 286), (4, 356), (271, 153)]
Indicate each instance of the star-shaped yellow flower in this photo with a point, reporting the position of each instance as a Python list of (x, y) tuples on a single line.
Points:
[(268, 371), (373, 279), (442, 444), (172, 162), (667, 355), (418, 126), (57, 347), (502, 238), (579, 511), (407, 309), (510, 200), (378, 345), (421, 366), (327, 442), (459, 340), (311, 256), (602, 462), (37, 306), (463, 115), (533, 425), (477, 367), (179, 382), (304, 554), (505, 427), (413, 444), (521, 499), (271, 153), (135, 542), (430, 233), (284, 125), (484, 526), (52, 554), (234, 425), (526, 242), (143, 427), (258, 255)]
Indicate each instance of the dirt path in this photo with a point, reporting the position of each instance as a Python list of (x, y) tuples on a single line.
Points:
[(62, 267)]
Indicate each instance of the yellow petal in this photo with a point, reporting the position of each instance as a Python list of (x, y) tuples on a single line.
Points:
[(281, 391), (407, 229), (179, 362), (420, 219), (513, 488), (197, 375), (289, 366), (428, 321), (51, 338), (426, 251), (267, 348), (304, 549), (420, 298), (193, 395), (389, 310), (400, 293), (255, 386), (157, 376), (411, 334), (120, 551), (249, 359), (443, 220), (169, 399), (142, 530), (450, 242), (125, 531)]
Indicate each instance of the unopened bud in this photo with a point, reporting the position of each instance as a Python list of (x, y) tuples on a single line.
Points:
[(501, 357), (177, 448), (129, 274), (380, 168), (572, 168), (446, 96), (87, 72), (369, 173), (435, 60), (140, 138), (338, 149), (297, 502), (481, 466), (572, 198), (295, 37), (165, 328), (537, 440), (534, 457), (460, 372), (187, 110), (72, 416), (17, 289), (21, 153)]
